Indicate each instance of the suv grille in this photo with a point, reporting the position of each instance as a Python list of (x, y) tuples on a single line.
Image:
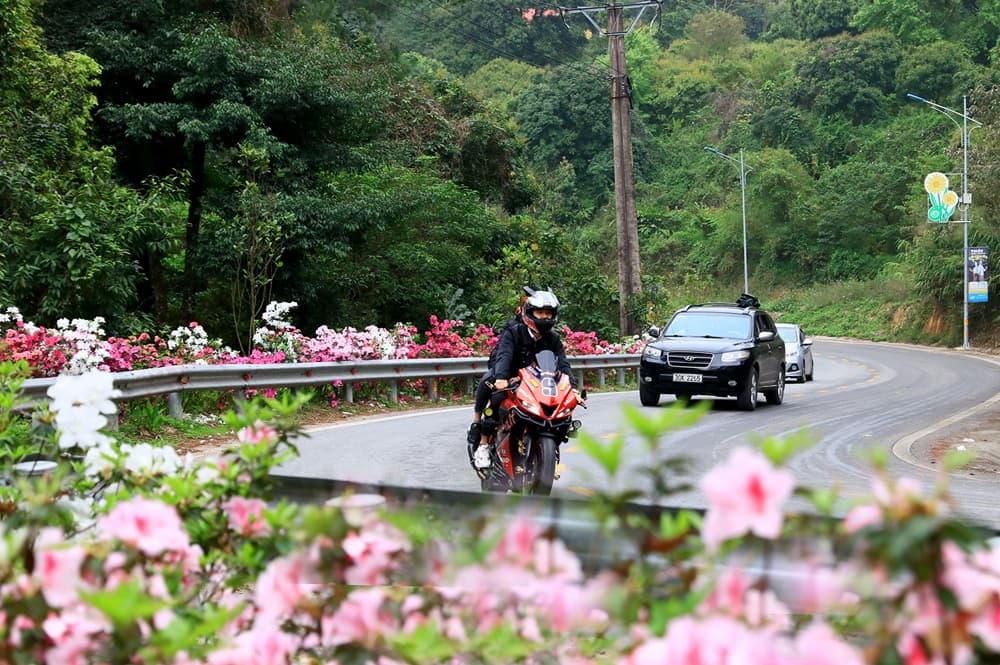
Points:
[(687, 360)]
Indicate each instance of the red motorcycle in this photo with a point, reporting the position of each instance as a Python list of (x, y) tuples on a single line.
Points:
[(535, 418)]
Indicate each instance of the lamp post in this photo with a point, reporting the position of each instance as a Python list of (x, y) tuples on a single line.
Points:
[(743, 197), (966, 200)]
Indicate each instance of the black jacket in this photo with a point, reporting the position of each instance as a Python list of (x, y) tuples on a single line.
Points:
[(517, 349), (507, 327)]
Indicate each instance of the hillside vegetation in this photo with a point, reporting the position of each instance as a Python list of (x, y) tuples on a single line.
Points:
[(381, 162)]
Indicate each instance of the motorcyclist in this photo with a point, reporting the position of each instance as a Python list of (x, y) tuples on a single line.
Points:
[(485, 387), (515, 349)]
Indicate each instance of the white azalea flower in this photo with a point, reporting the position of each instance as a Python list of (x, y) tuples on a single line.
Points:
[(93, 390), (100, 460), (81, 509), (80, 428)]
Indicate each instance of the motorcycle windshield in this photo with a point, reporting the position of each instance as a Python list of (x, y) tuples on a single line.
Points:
[(546, 362)]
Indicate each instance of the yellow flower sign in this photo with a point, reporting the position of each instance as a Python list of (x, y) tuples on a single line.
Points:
[(942, 200)]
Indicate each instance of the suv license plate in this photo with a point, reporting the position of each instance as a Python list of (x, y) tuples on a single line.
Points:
[(687, 378)]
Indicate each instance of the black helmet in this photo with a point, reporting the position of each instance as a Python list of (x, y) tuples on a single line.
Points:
[(544, 301)]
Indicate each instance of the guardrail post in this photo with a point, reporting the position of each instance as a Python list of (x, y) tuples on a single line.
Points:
[(174, 407), (621, 376), (600, 379), (579, 378), (432, 392), (394, 390), (349, 392), (470, 385)]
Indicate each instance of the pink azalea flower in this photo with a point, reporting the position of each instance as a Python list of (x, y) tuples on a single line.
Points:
[(690, 642), (862, 516), (820, 589), (518, 542), (150, 526), (268, 645), (372, 554), (57, 567), (359, 620), (817, 644), (246, 516), (279, 588), (257, 433), (744, 494), (986, 624), (75, 635), (728, 594)]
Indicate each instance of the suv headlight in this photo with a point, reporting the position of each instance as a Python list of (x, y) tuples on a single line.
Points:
[(651, 352), (735, 356)]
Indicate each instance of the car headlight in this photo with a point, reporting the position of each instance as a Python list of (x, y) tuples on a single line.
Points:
[(651, 352), (735, 356)]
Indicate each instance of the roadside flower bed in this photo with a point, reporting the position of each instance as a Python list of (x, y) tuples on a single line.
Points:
[(127, 555), (77, 346)]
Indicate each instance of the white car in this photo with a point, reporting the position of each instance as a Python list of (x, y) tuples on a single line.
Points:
[(798, 352)]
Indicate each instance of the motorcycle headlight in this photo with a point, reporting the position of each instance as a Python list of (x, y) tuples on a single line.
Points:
[(735, 356), (651, 352)]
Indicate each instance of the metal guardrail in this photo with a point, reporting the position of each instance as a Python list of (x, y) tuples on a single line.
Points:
[(173, 380)]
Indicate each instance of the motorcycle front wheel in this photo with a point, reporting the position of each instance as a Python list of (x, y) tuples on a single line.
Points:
[(543, 459)]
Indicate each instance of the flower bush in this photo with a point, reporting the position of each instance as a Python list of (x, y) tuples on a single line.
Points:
[(128, 555), (77, 346)]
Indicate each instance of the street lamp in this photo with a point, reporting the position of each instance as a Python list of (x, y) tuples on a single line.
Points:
[(966, 200), (743, 197)]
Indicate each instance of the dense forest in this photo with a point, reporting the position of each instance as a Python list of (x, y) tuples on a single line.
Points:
[(377, 162)]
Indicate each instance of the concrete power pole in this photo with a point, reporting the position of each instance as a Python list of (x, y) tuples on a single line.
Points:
[(629, 274)]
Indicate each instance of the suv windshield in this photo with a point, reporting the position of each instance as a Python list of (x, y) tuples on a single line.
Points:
[(704, 324)]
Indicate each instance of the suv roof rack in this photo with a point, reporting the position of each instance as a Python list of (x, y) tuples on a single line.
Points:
[(718, 304)]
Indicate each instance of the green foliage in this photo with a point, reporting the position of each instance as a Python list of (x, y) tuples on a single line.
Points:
[(815, 20), (912, 21), (713, 34), (407, 230), (813, 91)]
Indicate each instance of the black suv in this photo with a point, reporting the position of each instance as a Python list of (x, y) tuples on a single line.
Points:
[(721, 349)]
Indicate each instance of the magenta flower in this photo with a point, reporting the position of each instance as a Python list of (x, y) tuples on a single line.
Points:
[(744, 495)]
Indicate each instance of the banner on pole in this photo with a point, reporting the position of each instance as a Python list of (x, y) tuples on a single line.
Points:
[(978, 273), (941, 200)]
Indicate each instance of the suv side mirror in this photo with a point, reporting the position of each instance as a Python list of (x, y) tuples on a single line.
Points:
[(807, 341), (653, 331), (766, 335)]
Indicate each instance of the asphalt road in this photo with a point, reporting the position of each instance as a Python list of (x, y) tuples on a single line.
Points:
[(865, 395)]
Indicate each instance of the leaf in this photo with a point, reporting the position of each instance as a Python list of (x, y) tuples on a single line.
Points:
[(911, 534), (957, 459), (608, 456), (425, 644), (780, 450), (125, 604)]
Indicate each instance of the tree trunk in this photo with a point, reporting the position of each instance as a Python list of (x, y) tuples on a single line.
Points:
[(192, 283)]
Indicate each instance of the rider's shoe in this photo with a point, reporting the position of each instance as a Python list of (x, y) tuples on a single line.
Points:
[(481, 458), (475, 433)]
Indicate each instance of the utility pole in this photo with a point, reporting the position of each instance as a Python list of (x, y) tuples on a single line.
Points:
[(629, 275)]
